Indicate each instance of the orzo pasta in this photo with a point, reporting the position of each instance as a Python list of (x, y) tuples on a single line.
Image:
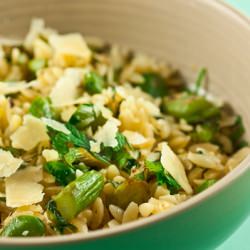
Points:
[(93, 135)]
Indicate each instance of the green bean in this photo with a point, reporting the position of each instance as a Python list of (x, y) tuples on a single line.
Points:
[(24, 226)]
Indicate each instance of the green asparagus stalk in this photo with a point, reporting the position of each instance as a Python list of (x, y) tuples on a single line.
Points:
[(78, 194)]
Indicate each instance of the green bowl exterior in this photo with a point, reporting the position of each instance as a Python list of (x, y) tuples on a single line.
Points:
[(203, 226)]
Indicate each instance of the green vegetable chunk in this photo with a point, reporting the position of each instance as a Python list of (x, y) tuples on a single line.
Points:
[(79, 194), (120, 154), (204, 133), (154, 84), (62, 172), (36, 64), (162, 176), (74, 155), (87, 116), (41, 107), (89, 158), (93, 83), (237, 131), (193, 109), (60, 224), (130, 190), (24, 226), (205, 185)]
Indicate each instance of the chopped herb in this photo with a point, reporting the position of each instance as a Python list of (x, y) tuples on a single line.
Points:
[(41, 107), (201, 77), (205, 185), (93, 83), (120, 155), (59, 141), (124, 160), (154, 84), (87, 116), (122, 142), (62, 172), (62, 142), (154, 167), (78, 138), (162, 176)]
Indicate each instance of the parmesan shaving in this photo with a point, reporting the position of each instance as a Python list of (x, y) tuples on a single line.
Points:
[(30, 134), (106, 113), (37, 28), (138, 140), (65, 91), (50, 155), (70, 50), (22, 188), (106, 135), (173, 165), (80, 100), (14, 87), (8, 163)]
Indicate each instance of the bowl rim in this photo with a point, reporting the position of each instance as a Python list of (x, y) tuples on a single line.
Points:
[(236, 173)]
